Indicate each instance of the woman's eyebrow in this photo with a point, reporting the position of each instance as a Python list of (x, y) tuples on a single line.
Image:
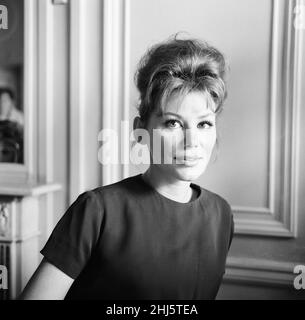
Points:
[(178, 115)]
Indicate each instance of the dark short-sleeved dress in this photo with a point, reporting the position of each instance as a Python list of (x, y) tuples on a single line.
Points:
[(126, 241)]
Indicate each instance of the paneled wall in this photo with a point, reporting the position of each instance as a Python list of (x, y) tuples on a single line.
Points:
[(259, 168), (74, 31), (260, 164), (61, 106)]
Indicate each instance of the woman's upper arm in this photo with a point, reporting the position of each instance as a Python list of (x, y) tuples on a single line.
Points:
[(47, 283)]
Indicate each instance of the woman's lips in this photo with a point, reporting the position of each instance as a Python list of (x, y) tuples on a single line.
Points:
[(188, 161), (188, 158)]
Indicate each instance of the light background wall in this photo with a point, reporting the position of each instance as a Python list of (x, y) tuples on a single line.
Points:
[(77, 107), (61, 108), (228, 25), (241, 29)]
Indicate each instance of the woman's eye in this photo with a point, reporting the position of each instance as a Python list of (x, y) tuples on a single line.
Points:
[(205, 125), (173, 124)]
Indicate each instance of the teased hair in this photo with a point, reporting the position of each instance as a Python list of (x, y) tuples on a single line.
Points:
[(179, 66)]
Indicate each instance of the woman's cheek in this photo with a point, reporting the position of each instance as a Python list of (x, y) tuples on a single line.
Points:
[(210, 147), (208, 139), (160, 147), (173, 144)]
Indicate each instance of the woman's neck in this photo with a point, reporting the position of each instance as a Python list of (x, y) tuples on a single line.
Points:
[(169, 187)]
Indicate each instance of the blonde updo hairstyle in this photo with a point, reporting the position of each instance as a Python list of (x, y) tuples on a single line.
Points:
[(179, 66)]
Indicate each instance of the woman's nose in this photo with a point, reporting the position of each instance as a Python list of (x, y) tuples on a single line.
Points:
[(191, 138)]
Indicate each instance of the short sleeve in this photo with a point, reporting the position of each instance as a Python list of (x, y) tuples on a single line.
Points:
[(74, 237)]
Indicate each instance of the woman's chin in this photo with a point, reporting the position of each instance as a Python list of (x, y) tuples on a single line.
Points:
[(189, 173)]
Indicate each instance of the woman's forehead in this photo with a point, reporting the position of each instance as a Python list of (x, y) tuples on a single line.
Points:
[(197, 103)]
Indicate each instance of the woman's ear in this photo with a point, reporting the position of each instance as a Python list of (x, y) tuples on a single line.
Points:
[(137, 124)]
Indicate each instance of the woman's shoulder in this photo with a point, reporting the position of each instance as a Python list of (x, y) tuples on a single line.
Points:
[(219, 209), (100, 199), (120, 189), (214, 199)]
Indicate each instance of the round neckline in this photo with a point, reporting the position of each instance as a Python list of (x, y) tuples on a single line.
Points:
[(164, 198)]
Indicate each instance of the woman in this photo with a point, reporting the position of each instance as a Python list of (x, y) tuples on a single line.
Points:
[(156, 235)]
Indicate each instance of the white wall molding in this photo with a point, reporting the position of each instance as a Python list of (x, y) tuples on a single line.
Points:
[(85, 55), (298, 81), (251, 271), (77, 98), (45, 116), (30, 88), (116, 81), (251, 210), (280, 217), (263, 226), (46, 91)]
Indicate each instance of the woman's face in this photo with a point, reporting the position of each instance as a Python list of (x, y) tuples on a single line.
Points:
[(187, 129)]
